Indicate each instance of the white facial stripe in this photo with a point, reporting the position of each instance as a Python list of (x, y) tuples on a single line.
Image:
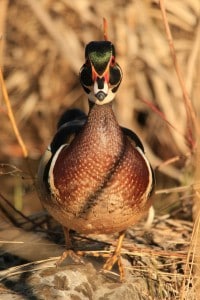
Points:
[(105, 89), (95, 88)]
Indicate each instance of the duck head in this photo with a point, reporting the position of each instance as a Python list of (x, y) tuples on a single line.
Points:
[(100, 76)]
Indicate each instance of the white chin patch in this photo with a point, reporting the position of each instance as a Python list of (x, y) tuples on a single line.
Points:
[(108, 98)]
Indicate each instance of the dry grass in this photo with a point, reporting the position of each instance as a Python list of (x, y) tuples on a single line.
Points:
[(43, 44)]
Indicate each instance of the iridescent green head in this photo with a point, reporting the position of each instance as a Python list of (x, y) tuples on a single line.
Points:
[(100, 75)]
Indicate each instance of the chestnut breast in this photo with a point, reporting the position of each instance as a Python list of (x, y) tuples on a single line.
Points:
[(101, 181)]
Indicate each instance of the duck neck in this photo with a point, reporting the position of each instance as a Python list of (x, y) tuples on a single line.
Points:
[(103, 127)]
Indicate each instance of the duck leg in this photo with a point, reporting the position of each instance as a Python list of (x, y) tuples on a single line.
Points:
[(116, 257), (68, 242), (76, 256), (69, 252)]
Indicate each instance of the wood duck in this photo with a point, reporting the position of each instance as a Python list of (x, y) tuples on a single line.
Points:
[(95, 178)]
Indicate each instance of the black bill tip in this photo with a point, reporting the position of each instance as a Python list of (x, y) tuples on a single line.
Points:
[(100, 95)]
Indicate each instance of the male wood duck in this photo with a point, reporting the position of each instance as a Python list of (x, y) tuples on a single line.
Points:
[(95, 178)]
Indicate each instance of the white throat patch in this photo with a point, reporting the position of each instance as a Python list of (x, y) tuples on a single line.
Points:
[(110, 96)]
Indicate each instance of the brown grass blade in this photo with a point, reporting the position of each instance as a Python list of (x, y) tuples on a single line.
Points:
[(191, 116), (11, 116)]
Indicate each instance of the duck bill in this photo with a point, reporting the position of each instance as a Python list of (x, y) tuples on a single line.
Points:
[(100, 85), (100, 92)]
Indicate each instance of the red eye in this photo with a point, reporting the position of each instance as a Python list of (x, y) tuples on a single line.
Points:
[(112, 61)]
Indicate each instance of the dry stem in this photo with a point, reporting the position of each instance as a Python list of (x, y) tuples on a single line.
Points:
[(11, 116), (191, 117)]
